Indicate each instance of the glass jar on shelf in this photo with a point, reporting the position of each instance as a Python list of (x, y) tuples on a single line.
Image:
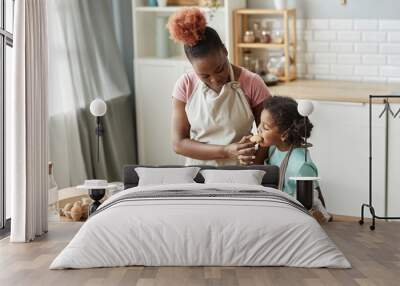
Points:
[(257, 66), (247, 59), (265, 37), (256, 31), (264, 69), (277, 37), (266, 31), (276, 66), (260, 66), (292, 71), (249, 37)]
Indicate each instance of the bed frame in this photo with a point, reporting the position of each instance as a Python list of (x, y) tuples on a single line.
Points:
[(270, 179)]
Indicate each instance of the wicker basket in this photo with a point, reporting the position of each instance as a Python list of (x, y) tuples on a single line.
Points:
[(183, 2)]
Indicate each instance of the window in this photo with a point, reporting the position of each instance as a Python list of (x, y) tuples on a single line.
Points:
[(6, 44)]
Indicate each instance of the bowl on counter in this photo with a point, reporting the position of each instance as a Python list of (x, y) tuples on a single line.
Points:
[(270, 79)]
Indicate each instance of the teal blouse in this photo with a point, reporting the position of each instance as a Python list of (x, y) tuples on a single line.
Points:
[(297, 167)]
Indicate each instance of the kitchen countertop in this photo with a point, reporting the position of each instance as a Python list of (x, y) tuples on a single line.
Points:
[(332, 90)]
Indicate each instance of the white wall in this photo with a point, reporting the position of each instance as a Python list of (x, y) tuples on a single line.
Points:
[(325, 9), (346, 49)]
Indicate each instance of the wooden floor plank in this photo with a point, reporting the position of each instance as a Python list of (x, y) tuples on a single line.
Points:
[(375, 257)]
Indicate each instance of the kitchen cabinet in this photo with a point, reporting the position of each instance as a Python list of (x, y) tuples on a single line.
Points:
[(155, 82)]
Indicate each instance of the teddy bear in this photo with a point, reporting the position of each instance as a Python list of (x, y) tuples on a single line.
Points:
[(76, 211)]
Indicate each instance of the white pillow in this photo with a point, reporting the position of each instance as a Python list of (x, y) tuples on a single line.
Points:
[(248, 177), (166, 176)]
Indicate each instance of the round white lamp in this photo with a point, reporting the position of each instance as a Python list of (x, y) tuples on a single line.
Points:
[(305, 108), (98, 108)]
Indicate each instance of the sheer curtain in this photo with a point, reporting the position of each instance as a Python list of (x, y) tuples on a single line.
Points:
[(85, 63)]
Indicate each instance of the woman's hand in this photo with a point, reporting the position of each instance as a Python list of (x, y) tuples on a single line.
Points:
[(244, 151), (247, 158)]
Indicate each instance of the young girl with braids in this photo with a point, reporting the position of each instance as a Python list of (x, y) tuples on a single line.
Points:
[(282, 129)]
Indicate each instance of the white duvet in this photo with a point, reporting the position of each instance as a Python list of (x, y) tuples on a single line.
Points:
[(204, 231)]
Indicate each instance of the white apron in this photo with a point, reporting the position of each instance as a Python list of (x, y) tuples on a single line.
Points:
[(219, 119)]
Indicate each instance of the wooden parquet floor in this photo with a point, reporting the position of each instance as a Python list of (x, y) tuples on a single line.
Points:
[(375, 257)]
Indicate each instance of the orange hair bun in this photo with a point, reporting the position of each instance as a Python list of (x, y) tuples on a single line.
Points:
[(187, 26)]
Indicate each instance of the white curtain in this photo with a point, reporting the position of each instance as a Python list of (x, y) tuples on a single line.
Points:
[(85, 63), (26, 117)]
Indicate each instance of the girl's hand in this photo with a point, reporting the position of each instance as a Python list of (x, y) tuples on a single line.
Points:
[(244, 151)]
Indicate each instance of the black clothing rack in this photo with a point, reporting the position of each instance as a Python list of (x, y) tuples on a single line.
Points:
[(388, 111)]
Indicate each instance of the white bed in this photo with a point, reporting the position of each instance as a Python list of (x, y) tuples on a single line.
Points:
[(266, 229)]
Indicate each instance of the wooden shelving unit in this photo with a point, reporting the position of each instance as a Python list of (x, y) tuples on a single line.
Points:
[(241, 20)]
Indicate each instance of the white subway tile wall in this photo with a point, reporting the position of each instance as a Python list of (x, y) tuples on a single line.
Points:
[(394, 60), (372, 36), (394, 37), (390, 48), (325, 58), (342, 70), (366, 48), (374, 59), (389, 25), (360, 50), (365, 70), (366, 25), (349, 36), (342, 47), (349, 59), (318, 24), (341, 24)]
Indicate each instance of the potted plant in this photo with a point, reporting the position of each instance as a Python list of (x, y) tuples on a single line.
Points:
[(212, 6)]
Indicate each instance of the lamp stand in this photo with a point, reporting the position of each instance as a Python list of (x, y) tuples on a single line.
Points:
[(96, 195), (304, 193), (305, 138), (99, 132)]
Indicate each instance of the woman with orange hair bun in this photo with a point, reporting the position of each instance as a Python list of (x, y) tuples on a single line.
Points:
[(215, 105)]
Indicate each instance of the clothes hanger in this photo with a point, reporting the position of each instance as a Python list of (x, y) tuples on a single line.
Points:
[(387, 108), (397, 113)]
